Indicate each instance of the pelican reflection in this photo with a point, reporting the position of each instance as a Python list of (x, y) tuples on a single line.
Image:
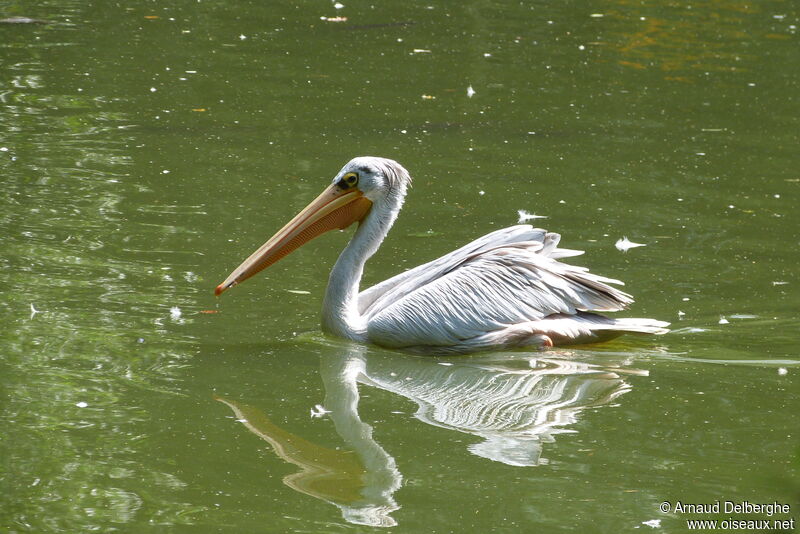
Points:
[(513, 403)]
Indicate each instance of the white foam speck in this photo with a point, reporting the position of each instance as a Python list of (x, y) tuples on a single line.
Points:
[(524, 216), (319, 411), (625, 244)]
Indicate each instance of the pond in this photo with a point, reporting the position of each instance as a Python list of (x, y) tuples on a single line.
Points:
[(147, 148)]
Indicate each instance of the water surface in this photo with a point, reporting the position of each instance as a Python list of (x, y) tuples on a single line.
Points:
[(146, 149)]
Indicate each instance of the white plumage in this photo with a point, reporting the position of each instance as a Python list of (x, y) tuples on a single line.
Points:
[(505, 289)]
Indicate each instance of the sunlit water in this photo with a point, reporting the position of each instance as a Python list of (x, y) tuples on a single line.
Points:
[(146, 149)]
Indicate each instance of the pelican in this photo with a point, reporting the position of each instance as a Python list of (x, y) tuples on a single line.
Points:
[(506, 289)]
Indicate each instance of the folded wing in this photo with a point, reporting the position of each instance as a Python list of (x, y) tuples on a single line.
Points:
[(507, 277)]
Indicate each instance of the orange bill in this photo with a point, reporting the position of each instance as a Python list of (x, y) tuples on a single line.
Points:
[(335, 208)]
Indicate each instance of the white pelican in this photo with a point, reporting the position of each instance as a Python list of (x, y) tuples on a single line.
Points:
[(505, 289)]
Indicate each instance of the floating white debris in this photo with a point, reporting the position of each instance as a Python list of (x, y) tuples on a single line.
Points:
[(779, 283), (298, 291), (723, 320), (783, 371), (420, 51), (470, 92), (481, 193), (3, 149), (338, 5), (175, 313), (524, 216), (319, 411), (653, 523), (624, 244), (681, 314), (242, 37), (596, 15), (81, 404)]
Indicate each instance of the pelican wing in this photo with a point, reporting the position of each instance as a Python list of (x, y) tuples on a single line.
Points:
[(380, 295), (508, 277)]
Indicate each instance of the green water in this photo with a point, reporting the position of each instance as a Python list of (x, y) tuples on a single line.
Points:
[(147, 148)]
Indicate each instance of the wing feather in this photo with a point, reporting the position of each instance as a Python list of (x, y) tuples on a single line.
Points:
[(487, 289), (379, 295)]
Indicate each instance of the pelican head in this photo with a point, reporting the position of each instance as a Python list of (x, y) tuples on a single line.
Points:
[(377, 178), (365, 186)]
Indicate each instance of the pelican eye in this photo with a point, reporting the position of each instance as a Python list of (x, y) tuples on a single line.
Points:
[(348, 180)]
